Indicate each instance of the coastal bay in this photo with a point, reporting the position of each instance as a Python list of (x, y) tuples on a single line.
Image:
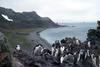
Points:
[(78, 30)]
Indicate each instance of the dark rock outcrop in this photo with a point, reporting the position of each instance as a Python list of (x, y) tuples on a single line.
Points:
[(93, 35), (24, 19)]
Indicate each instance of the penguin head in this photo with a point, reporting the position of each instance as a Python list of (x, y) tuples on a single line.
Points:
[(40, 45)]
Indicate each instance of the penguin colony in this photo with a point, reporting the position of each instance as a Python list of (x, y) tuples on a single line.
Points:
[(71, 51)]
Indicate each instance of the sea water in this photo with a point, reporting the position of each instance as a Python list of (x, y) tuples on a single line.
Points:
[(78, 30)]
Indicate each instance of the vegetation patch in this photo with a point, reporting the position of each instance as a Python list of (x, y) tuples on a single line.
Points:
[(18, 36)]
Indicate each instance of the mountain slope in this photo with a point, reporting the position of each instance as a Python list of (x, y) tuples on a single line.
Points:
[(24, 19)]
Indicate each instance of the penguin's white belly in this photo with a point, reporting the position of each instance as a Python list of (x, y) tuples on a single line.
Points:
[(62, 49), (37, 50), (61, 59), (56, 53), (77, 42), (78, 58), (18, 48), (52, 51)]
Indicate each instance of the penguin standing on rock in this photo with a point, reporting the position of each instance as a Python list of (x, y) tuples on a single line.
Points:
[(63, 59), (56, 48), (57, 52), (46, 54), (37, 50), (62, 48), (67, 59), (80, 55), (93, 59), (97, 61), (75, 58), (87, 54), (70, 59), (53, 50)]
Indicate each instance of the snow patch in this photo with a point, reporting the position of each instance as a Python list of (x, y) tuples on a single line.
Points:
[(6, 17)]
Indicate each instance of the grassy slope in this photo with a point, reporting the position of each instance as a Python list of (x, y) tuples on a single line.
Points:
[(15, 39)]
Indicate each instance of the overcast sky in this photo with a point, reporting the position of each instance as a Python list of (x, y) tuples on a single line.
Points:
[(58, 10)]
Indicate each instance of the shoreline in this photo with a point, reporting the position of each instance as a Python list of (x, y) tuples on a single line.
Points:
[(34, 38)]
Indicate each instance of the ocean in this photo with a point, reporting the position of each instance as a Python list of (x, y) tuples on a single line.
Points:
[(78, 30)]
